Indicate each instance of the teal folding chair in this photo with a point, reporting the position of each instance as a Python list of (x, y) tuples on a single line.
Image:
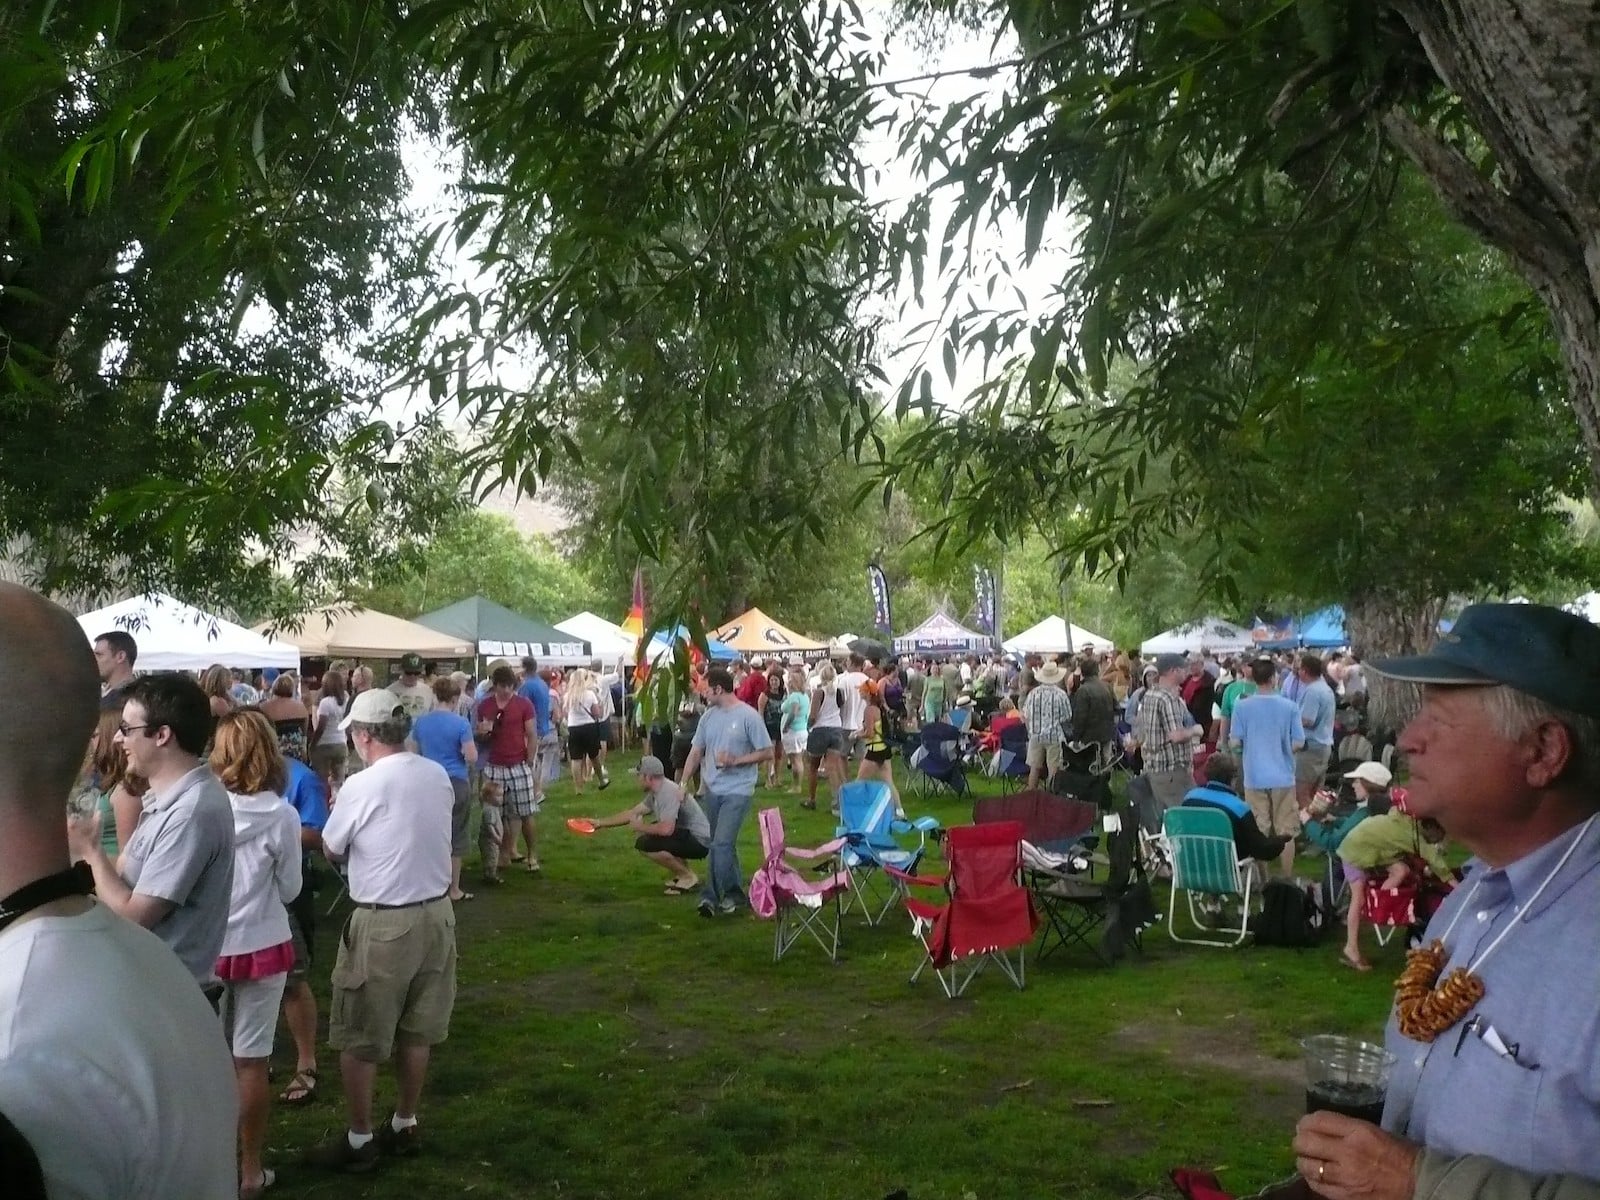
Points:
[(1205, 863)]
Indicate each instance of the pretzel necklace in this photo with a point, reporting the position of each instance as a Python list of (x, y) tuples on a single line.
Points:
[(1425, 1007)]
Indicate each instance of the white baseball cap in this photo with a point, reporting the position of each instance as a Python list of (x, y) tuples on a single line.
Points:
[(1374, 773)]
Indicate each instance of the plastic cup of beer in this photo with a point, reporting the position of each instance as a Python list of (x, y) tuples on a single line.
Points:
[(1346, 1075)]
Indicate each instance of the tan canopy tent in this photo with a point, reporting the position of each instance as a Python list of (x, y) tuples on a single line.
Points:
[(336, 632), (756, 633)]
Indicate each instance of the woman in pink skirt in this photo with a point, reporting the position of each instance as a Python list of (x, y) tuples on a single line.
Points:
[(257, 951)]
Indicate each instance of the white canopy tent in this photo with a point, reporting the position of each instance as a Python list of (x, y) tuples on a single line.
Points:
[(1211, 633), (611, 642), (1051, 636), (174, 636), (1587, 606)]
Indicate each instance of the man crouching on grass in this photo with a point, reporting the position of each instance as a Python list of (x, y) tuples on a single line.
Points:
[(672, 827)]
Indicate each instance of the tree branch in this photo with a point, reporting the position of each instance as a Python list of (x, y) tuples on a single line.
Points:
[(1540, 247), (1033, 56)]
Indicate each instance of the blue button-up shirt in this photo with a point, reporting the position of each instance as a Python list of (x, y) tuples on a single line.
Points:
[(1541, 1111)]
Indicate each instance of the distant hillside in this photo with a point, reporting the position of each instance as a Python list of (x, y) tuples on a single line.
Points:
[(540, 514)]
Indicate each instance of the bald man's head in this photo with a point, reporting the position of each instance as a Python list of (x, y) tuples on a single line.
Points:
[(44, 726)]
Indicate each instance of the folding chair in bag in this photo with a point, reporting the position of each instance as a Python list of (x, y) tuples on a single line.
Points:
[(1354, 747), (937, 764), (799, 904), (987, 913), (1155, 855), (1205, 863), (871, 835), (1010, 762)]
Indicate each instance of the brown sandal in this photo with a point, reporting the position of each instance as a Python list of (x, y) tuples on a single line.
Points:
[(302, 1088)]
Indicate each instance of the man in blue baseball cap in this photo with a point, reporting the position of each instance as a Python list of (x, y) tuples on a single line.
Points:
[(1496, 1088)]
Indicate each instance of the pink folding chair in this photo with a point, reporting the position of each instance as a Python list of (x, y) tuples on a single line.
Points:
[(801, 904)]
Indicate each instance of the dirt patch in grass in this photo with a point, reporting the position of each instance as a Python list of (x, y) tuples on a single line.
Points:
[(1232, 1048)]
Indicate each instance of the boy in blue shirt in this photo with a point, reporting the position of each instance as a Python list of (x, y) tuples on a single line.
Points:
[(1266, 726)]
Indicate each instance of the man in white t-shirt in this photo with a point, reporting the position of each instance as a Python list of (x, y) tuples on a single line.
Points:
[(394, 982), (415, 696), (112, 1064), (855, 706)]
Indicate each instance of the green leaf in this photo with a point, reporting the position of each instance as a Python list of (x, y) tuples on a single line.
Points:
[(1320, 22), (1206, 22), (258, 141)]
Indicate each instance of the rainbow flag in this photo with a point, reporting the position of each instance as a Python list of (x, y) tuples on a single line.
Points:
[(634, 622)]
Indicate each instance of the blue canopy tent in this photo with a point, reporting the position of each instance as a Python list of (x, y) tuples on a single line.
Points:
[(1321, 630), (661, 645)]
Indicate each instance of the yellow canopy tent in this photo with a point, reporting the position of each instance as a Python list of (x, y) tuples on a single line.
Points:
[(756, 633), (336, 632)]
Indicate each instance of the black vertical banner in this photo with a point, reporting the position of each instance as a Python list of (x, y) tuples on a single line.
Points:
[(882, 614), (984, 590)]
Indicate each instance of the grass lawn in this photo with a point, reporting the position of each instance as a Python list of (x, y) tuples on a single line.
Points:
[(608, 1042)]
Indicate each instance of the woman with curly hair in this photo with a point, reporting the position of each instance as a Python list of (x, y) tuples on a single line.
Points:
[(258, 948)]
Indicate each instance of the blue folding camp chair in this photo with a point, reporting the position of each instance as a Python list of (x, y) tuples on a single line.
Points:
[(872, 842), (936, 764)]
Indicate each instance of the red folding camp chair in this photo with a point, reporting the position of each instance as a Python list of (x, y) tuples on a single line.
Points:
[(987, 912), (1411, 905)]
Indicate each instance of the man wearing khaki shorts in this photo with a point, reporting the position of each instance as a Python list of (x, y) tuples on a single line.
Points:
[(1267, 727), (394, 983)]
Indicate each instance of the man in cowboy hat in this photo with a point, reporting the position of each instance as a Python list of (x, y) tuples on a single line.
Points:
[(1045, 712), (1501, 1099)]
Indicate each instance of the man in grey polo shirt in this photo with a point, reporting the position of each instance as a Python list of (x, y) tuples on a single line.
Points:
[(175, 875), (672, 827)]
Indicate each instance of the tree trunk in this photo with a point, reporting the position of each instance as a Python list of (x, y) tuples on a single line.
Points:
[(1383, 626), (1528, 74)]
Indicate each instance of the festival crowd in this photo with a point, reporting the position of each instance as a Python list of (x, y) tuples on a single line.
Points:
[(163, 836)]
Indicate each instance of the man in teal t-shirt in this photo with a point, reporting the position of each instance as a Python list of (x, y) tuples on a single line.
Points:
[(1236, 691)]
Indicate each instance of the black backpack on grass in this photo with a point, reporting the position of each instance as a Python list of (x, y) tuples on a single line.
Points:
[(1292, 914)]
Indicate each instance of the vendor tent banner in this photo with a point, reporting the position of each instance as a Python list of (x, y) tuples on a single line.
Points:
[(1210, 633), (1053, 635), (754, 632), (334, 632), (941, 634), (174, 636), (498, 632)]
